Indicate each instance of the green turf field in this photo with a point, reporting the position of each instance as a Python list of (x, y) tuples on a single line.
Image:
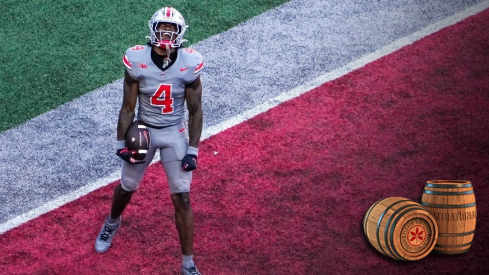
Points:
[(54, 51)]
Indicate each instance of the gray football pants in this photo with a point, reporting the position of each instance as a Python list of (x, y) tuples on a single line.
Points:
[(173, 144)]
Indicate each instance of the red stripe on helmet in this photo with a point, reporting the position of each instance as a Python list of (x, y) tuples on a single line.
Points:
[(168, 12)]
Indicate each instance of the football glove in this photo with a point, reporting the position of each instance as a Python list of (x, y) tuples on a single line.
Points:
[(127, 156), (189, 162)]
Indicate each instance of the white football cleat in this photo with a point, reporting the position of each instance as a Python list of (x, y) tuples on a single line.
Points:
[(104, 238), (190, 271)]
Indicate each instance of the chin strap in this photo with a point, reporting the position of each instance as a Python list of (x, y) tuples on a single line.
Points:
[(166, 59), (166, 46)]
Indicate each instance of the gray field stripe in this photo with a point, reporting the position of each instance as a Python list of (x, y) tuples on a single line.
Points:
[(299, 90), (213, 130)]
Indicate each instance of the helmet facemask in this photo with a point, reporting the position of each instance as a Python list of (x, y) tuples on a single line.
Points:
[(167, 15), (164, 39), (167, 39)]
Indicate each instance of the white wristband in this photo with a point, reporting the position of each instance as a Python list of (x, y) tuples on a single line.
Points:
[(120, 144), (192, 151)]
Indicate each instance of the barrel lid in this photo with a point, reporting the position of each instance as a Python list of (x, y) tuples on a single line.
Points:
[(448, 184)]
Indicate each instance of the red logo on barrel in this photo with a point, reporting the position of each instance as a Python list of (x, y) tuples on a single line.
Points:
[(416, 235)]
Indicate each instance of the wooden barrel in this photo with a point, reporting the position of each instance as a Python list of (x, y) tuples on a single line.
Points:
[(400, 228), (452, 204)]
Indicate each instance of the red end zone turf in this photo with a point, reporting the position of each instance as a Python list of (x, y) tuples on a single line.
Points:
[(288, 189)]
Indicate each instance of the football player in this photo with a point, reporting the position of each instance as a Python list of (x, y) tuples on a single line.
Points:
[(161, 76)]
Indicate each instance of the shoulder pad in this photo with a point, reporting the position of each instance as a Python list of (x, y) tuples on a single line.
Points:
[(132, 55), (193, 59)]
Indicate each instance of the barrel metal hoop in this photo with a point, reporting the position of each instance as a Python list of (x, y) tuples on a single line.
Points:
[(448, 193), (450, 252), (415, 207), (448, 185), (456, 234), (452, 245), (368, 215), (448, 205), (378, 226)]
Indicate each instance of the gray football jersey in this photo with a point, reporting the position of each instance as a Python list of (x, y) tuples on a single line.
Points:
[(162, 93)]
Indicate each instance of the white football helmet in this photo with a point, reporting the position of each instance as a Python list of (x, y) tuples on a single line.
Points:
[(167, 15)]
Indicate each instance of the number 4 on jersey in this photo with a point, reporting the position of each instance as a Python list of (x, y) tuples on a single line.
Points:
[(163, 97)]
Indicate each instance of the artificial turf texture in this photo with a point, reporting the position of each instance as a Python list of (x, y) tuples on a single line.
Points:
[(53, 52)]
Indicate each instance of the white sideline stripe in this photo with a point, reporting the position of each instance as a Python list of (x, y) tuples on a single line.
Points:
[(299, 90)]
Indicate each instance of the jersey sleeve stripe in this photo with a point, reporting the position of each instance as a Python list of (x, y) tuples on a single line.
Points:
[(199, 67), (126, 62)]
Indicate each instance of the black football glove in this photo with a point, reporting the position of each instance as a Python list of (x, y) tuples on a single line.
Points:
[(127, 156), (189, 163)]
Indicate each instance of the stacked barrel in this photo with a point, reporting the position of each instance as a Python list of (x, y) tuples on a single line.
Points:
[(444, 222)]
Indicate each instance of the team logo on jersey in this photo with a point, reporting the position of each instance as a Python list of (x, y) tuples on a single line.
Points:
[(143, 66), (189, 50), (126, 62)]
